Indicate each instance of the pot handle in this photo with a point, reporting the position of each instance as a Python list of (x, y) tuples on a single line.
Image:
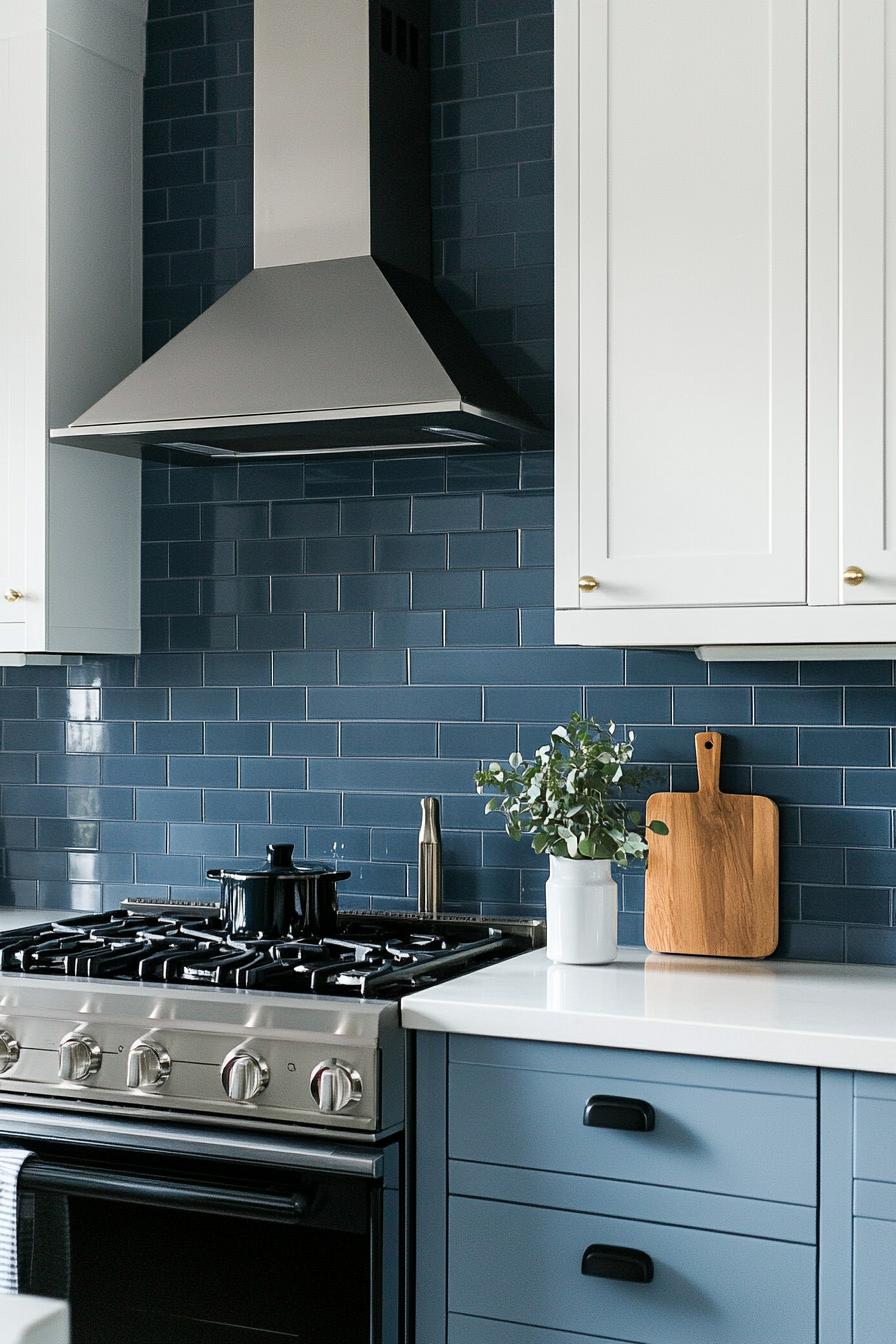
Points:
[(216, 873)]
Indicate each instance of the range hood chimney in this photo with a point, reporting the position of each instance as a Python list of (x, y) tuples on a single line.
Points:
[(337, 339)]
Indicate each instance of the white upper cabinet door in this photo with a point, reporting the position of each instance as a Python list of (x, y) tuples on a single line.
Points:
[(22, 326), (868, 300), (681, 302)]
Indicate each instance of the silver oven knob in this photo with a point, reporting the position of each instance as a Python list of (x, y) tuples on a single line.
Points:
[(79, 1058), (149, 1065), (9, 1051), (244, 1075), (335, 1086)]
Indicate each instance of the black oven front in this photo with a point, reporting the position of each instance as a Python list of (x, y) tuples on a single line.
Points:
[(163, 1234)]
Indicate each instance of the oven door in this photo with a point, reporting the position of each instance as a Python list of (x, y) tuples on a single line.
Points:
[(192, 1236)]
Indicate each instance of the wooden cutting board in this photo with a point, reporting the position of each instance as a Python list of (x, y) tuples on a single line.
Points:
[(712, 882)]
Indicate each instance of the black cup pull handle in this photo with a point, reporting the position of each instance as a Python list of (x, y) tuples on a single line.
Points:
[(620, 1113), (617, 1262)]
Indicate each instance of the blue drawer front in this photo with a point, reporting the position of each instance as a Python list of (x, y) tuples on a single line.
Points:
[(475, 1330), (524, 1264), (874, 1281), (875, 1127), (760, 1145)]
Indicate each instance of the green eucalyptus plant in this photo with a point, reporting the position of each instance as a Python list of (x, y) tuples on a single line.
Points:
[(570, 798)]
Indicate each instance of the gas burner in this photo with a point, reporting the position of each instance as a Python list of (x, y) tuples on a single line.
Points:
[(367, 957)]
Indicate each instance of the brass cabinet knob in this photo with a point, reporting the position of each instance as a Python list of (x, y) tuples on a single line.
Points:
[(853, 576), (13, 595), (588, 583)]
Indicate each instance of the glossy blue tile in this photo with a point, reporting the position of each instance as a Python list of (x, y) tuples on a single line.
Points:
[(871, 867), (182, 739), (317, 519), (388, 739), (106, 867), (202, 839), (236, 805), (409, 476), (26, 800), (813, 785), (130, 836), (662, 667), (339, 630), (278, 702), (130, 703), (530, 509), (380, 667), (516, 703), (844, 746), (871, 788), (29, 864), (822, 865), (280, 555), (18, 768), (200, 772), (518, 587), (271, 480), (433, 590), (871, 947), (394, 702), (73, 704), (406, 629), (223, 522), (32, 735), (802, 705), (374, 592), (238, 596), (201, 632), (59, 833), (423, 551), (870, 704), (382, 809), (238, 669), (203, 703), (338, 555), (846, 826), (167, 869), (18, 702), (306, 808), (101, 802), (305, 669), (856, 905), (271, 632), (520, 667), (316, 592), (481, 550), (93, 738), (629, 704), (272, 772), (171, 522), (133, 770), (811, 942), (446, 513), (225, 739), (170, 669), (62, 769), (712, 704), (305, 739), (338, 477), (849, 672)]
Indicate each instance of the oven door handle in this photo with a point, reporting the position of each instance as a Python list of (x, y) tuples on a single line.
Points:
[(190, 1196)]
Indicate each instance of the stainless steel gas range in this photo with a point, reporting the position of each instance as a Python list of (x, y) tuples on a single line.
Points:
[(186, 1090)]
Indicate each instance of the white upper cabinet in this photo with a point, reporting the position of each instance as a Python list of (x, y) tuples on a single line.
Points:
[(70, 306), (868, 299), (726, 172)]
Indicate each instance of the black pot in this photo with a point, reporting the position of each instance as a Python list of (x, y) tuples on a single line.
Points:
[(273, 901)]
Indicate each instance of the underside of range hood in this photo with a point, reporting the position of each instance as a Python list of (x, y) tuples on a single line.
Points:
[(337, 340)]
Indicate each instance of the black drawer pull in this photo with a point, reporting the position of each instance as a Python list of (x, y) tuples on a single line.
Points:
[(617, 1262), (620, 1113)]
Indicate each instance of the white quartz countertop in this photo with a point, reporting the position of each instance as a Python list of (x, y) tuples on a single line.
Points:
[(12, 917), (788, 1012)]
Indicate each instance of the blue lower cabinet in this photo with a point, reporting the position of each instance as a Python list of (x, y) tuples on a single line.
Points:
[(617, 1279), (475, 1330), (874, 1281)]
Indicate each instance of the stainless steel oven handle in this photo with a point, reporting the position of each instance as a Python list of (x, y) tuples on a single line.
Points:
[(23, 1120), (191, 1196)]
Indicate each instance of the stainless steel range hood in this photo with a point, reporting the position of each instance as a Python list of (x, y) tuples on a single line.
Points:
[(337, 339)]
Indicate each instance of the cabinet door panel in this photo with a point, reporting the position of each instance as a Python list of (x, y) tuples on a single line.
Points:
[(868, 297), (874, 1293), (692, 318), (22, 337)]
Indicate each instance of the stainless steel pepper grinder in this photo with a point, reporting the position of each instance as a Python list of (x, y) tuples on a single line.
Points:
[(429, 871)]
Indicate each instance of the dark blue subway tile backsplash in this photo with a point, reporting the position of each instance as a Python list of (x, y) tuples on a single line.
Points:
[(327, 639)]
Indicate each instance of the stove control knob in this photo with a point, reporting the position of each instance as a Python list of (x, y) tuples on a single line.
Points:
[(79, 1058), (335, 1086), (244, 1075), (9, 1051), (149, 1065)]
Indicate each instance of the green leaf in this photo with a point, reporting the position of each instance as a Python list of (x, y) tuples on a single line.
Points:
[(658, 827)]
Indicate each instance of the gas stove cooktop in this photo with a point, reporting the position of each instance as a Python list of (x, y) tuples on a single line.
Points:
[(371, 955)]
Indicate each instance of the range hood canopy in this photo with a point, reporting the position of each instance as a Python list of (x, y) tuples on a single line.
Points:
[(337, 339)]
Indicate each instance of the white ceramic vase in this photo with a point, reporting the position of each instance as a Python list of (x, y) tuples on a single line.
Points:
[(580, 896)]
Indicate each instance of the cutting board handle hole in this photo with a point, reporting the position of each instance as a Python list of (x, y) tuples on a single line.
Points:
[(708, 746)]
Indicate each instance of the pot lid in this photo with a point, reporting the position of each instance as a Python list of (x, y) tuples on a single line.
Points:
[(279, 865)]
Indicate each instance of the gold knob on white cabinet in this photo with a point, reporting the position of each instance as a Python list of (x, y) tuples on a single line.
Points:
[(588, 583), (13, 595), (853, 576)]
